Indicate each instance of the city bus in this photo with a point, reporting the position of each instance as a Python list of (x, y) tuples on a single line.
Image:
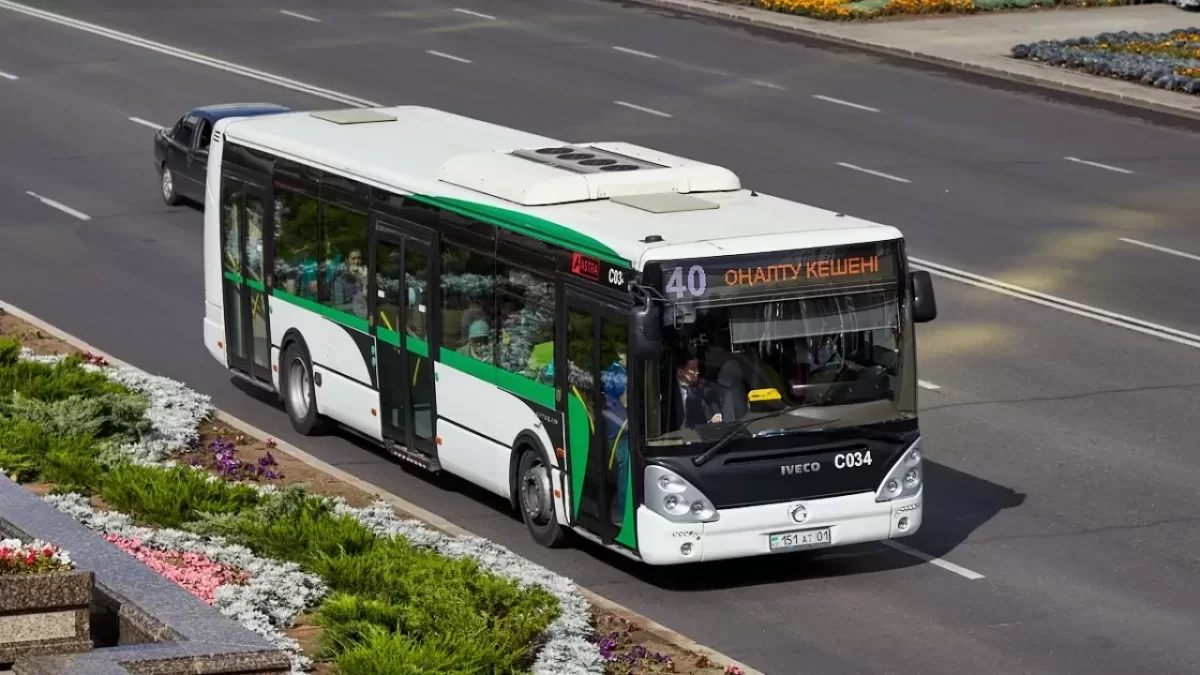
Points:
[(625, 344)]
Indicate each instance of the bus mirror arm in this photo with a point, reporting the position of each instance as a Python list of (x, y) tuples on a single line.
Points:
[(924, 303)]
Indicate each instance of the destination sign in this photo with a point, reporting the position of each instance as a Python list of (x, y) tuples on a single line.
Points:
[(705, 278)]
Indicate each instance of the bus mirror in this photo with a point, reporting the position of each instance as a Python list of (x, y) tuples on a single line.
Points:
[(645, 330), (924, 305)]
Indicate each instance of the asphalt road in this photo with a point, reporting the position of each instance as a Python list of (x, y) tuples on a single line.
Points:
[(1062, 449)]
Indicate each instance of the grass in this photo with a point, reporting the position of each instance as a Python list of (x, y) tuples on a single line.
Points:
[(394, 608)]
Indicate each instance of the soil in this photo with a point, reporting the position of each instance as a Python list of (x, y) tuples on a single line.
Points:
[(636, 651)]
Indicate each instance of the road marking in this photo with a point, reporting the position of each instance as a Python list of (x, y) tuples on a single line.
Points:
[(1097, 165), (650, 111), (145, 123), (447, 56), (848, 104), (60, 206), (926, 384), (186, 55), (298, 15), (1060, 304), (1164, 249), (635, 52), (948, 566), (875, 173), (768, 85), (8, 76), (478, 14)]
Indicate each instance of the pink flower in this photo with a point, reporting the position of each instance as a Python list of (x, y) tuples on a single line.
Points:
[(195, 572)]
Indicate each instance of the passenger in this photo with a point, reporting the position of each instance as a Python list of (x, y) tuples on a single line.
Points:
[(479, 342), (694, 401), (616, 418)]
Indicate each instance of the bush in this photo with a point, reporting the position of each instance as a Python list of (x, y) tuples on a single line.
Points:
[(172, 497), (868, 9), (1165, 60)]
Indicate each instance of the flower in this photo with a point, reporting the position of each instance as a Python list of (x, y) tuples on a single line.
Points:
[(17, 557)]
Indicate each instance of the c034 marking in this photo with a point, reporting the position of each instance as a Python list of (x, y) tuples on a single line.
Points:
[(851, 460)]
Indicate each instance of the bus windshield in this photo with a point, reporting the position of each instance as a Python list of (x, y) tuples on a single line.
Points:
[(731, 360)]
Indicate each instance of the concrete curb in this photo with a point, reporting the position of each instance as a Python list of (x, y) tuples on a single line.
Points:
[(428, 517), (775, 21)]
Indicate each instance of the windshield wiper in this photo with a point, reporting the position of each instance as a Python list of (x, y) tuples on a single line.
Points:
[(701, 459)]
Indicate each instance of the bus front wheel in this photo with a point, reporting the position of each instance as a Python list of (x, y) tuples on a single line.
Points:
[(535, 498), (299, 395)]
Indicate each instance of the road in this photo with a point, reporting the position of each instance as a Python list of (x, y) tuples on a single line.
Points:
[(1062, 486)]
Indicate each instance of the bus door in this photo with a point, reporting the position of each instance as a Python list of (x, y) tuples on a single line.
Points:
[(401, 307), (245, 210), (590, 373)]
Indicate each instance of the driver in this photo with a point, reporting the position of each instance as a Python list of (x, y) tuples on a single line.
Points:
[(694, 400)]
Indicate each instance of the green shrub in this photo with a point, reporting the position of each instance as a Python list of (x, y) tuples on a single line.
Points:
[(290, 525), (10, 351), (441, 610), (172, 497), (111, 415), (23, 448), (55, 382)]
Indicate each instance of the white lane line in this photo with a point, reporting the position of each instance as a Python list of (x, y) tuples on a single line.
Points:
[(298, 15), (875, 173), (1098, 165), (948, 566), (639, 108), (768, 85), (194, 57), (60, 206), (447, 56), (1163, 249), (1061, 304), (635, 52), (145, 123), (848, 104), (478, 14), (926, 384), (8, 76)]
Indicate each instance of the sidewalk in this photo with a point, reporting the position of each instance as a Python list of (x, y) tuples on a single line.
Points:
[(981, 43)]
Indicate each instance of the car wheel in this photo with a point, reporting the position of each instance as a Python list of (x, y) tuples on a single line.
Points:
[(167, 184), (535, 498)]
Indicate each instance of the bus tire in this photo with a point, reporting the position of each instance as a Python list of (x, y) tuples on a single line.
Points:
[(299, 394), (166, 185), (535, 499)]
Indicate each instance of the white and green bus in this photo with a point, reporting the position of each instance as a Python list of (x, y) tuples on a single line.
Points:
[(624, 343)]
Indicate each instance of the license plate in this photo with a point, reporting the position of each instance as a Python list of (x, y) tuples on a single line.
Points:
[(800, 539)]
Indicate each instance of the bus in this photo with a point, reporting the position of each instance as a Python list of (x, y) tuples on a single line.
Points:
[(625, 344)]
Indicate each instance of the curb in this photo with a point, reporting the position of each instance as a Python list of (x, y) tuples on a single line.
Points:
[(769, 20), (428, 517)]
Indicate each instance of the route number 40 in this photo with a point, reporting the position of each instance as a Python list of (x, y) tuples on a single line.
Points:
[(696, 282)]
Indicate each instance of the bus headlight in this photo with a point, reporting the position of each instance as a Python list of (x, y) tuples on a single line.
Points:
[(904, 480), (675, 499)]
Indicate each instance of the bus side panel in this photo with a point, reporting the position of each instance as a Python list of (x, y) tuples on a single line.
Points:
[(345, 393), (484, 420), (214, 312)]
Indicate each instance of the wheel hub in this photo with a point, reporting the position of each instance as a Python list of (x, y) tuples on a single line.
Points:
[(166, 182), (535, 493), (298, 388)]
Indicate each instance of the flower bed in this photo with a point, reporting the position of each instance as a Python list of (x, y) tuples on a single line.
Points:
[(1165, 60), (871, 9), (221, 515), (17, 557)]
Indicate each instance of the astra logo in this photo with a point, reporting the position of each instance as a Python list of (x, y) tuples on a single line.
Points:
[(792, 469)]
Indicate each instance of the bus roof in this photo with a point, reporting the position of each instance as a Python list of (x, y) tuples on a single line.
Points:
[(653, 206)]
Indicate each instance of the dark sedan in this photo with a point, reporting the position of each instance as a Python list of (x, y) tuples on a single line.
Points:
[(181, 152)]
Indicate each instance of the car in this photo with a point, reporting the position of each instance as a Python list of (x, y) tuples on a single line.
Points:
[(181, 152)]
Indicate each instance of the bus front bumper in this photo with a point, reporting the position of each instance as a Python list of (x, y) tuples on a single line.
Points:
[(747, 531)]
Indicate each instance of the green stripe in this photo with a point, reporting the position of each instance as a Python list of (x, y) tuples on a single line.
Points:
[(579, 432), (335, 315), (240, 280), (542, 394), (529, 225)]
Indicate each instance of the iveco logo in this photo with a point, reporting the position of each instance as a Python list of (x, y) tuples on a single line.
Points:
[(790, 469), (799, 513)]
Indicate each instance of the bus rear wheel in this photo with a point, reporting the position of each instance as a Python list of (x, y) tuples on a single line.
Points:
[(299, 395), (535, 498)]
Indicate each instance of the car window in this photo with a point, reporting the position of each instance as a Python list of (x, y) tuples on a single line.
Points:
[(185, 130), (206, 129)]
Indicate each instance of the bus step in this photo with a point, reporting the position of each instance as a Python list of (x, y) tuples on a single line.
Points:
[(413, 456)]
